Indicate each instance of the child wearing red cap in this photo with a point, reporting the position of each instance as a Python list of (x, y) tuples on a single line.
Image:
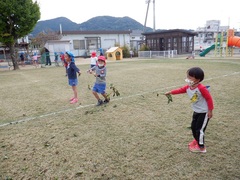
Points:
[(93, 59), (99, 71)]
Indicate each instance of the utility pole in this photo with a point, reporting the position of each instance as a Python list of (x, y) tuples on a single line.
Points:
[(145, 23), (153, 15)]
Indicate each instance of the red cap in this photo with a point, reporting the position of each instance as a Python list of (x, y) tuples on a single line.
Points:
[(102, 58), (93, 54)]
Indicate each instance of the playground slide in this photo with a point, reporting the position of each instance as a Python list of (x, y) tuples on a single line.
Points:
[(234, 41), (202, 54)]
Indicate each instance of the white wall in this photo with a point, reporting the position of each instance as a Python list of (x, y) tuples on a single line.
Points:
[(57, 46), (107, 41)]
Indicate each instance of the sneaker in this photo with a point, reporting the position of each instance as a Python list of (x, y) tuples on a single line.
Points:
[(100, 102), (75, 100), (193, 143), (106, 101), (71, 99), (196, 148)]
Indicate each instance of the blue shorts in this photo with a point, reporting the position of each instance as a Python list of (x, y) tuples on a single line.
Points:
[(99, 88), (73, 82)]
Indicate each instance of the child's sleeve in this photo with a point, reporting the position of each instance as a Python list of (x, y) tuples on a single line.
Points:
[(75, 67), (180, 90), (93, 68), (206, 94)]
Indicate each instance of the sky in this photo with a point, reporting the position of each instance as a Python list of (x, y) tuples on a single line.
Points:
[(169, 14)]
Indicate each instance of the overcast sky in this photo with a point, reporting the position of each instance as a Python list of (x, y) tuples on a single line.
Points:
[(169, 14)]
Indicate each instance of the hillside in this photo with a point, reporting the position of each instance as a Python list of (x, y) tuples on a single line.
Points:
[(96, 23), (54, 25)]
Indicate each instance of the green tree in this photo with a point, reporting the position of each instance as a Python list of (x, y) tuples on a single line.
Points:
[(144, 48), (126, 51), (17, 19)]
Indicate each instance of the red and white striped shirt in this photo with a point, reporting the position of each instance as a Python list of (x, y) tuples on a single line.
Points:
[(200, 97)]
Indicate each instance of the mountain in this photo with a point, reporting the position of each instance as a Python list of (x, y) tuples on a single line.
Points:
[(111, 23), (54, 25), (94, 24)]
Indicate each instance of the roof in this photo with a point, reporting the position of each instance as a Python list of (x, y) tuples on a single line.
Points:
[(96, 32), (191, 32), (136, 33), (59, 41), (112, 49)]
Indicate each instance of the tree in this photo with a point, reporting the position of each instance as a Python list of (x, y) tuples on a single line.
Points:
[(17, 19), (41, 39), (125, 51), (144, 47)]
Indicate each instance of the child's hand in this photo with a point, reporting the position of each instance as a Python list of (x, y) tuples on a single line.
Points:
[(167, 93), (210, 114), (96, 75), (89, 71)]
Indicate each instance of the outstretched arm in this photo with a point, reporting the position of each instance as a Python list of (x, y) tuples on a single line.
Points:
[(178, 91)]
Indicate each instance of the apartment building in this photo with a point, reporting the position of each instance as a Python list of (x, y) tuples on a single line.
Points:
[(206, 35)]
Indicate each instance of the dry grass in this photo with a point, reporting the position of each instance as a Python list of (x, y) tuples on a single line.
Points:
[(136, 136)]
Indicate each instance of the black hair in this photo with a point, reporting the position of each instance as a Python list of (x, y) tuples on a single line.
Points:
[(196, 72), (68, 54)]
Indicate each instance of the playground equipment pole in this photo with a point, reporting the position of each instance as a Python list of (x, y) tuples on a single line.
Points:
[(230, 49), (216, 42), (227, 54), (220, 46)]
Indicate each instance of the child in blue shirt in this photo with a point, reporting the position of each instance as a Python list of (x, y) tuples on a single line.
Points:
[(56, 58), (99, 71), (72, 71)]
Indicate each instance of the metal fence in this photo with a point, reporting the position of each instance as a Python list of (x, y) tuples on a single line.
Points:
[(222, 53), (157, 54)]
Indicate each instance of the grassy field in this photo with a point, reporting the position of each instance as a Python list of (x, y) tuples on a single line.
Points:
[(138, 135)]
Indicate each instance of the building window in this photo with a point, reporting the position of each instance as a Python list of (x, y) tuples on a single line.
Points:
[(82, 44), (78, 44)]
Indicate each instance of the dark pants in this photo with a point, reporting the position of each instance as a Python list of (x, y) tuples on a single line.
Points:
[(48, 61), (198, 126)]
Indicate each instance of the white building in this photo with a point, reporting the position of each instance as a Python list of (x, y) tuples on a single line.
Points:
[(136, 39), (23, 40), (58, 46), (207, 34), (82, 43)]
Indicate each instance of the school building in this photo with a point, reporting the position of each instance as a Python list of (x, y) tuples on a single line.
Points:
[(82, 43), (175, 39)]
